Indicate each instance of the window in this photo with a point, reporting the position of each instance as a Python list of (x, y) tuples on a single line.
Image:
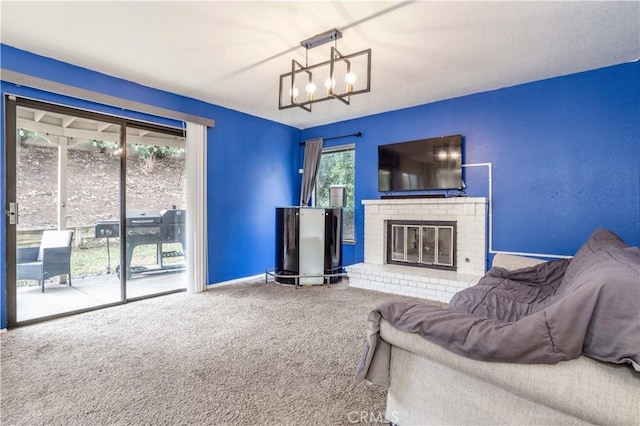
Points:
[(337, 167)]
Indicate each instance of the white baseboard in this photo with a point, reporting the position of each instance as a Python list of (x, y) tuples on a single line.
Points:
[(237, 281)]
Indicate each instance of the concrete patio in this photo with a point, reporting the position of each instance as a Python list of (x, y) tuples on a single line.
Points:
[(90, 292)]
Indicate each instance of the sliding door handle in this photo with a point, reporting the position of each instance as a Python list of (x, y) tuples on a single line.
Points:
[(12, 213)]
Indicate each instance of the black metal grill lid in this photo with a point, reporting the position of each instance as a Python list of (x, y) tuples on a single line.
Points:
[(173, 216), (143, 216)]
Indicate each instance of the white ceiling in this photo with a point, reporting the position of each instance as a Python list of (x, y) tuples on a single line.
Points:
[(232, 53)]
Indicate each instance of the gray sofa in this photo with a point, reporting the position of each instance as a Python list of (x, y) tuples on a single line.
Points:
[(431, 385)]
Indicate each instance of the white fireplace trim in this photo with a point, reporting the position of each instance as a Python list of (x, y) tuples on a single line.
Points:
[(470, 213)]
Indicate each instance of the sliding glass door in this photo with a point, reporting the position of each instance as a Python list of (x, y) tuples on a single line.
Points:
[(66, 179), (80, 206), (155, 212)]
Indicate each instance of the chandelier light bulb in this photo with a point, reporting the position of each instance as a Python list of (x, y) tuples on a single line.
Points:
[(329, 83), (311, 88), (350, 78), (294, 92)]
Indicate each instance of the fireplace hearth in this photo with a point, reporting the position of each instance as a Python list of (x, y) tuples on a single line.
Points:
[(449, 259), (425, 244)]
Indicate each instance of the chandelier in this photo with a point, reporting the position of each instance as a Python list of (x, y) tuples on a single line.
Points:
[(341, 77)]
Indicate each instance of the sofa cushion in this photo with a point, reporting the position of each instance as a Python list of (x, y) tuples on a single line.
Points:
[(511, 262)]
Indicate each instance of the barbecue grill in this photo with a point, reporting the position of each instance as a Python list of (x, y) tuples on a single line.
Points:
[(148, 227)]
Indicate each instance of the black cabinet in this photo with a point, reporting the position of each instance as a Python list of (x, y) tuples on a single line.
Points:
[(308, 245)]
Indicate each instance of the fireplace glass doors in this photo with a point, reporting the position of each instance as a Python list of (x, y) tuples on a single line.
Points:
[(425, 244)]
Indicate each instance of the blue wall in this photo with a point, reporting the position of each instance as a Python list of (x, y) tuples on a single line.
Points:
[(252, 162), (565, 154)]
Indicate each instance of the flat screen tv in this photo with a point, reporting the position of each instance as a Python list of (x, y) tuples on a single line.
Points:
[(421, 165)]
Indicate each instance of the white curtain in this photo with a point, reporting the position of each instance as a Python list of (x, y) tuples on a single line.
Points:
[(196, 153)]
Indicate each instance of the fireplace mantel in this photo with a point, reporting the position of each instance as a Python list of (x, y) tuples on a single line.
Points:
[(470, 214)]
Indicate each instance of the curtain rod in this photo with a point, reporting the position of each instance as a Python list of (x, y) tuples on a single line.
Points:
[(357, 135)]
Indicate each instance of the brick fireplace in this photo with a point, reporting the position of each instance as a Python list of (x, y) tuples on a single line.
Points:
[(377, 273)]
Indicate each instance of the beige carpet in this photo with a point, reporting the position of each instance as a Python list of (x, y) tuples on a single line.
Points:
[(245, 354)]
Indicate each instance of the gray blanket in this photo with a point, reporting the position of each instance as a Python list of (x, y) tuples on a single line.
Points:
[(548, 313)]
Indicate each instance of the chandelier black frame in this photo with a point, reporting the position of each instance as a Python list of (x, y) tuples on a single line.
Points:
[(289, 92)]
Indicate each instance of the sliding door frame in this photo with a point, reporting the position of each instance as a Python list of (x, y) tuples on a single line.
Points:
[(11, 103), (10, 138)]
